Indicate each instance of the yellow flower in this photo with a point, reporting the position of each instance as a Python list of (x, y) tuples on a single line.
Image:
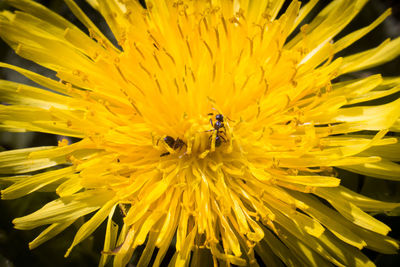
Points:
[(214, 122)]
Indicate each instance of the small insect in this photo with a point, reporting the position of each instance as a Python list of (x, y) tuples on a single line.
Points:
[(218, 139), (219, 122), (175, 144), (218, 125)]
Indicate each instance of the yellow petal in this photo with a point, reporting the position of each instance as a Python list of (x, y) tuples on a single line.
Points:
[(388, 151), (332, 220), (323, 181), (356, 35), (110, 239), (18, 161), (67, 208), (385, 52), (354, 214), (88, 227), (39, 79), (49, 233), (383, 169), (278, 248), (20, 94), (345, 254), (363, 202), (69, 187), (306, 253), (35, 182), (87, 22)]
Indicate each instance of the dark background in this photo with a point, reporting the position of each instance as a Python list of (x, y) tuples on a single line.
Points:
[(14, 243)]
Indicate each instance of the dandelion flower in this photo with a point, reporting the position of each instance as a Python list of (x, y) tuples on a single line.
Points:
[(213, 126)]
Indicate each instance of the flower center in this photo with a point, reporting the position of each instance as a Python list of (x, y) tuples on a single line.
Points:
[(208, 134)]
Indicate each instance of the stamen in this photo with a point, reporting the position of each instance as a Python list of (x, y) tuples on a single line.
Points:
[(193, 76), (131, 101), (170, 56), (158, 85), (262, 74), (208, 49), (245, 83), (188, 46), (154, 39), (139, 51), (146, 70), (156, 59), (225, 26), (251, 46), (266, 86), (176, 85), (214, 71), (217, 36), (184, 83), (205, 24), (240, 57), (180, 30)]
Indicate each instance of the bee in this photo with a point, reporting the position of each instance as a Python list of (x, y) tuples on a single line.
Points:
[(175, 144), (219, 127)]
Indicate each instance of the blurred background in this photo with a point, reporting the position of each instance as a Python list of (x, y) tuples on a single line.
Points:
[(14, 249)]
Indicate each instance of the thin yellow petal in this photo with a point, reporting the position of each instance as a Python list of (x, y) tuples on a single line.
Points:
[(383, 169), (335, 222), (355, 214), (110, 239), (303, 250), (388, 151), (344, 253), (87, 22), (49, 233), (322, 181), (35, 182), (67, 208), (91, 225), (385, 52), (18, 161), (354, 36), (363, 202), (278, 248), (372, 117), (44, 81), (69, 187)]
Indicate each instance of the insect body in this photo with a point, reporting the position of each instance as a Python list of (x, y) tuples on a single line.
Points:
[(219, 122), (175, 144), (218, 139), (218, 125)]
